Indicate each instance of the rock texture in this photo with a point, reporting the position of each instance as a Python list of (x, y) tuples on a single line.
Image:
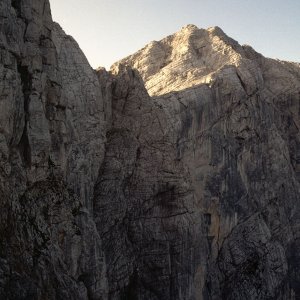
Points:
[(144, 205), (235, 115), (176, 175), (52, 134)]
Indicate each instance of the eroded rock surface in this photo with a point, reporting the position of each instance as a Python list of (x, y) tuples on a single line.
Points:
[(173, 176), (52, 134), (152, 235), (236, 118)]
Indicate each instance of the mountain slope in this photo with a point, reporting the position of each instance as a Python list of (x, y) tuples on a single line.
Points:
[(107, 192), (195, 56), (52, 134), (234, 116)]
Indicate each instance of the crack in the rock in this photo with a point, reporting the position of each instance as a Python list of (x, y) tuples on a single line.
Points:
[(24, 145)]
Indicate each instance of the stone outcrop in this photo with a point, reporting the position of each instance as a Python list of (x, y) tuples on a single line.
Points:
[(235, 115), (173, 176), (144, 204), (52, 135)]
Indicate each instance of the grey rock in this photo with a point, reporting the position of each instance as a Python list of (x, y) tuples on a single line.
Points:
[(235, 118), (51, 107), (173, 176), (144, 206)]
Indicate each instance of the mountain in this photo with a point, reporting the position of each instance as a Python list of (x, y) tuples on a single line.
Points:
[(195, 56), (175, 175), (233, 118)]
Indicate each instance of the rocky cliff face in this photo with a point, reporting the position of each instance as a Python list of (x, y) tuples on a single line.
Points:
[(235, 115), (52, 134), (173, 176)]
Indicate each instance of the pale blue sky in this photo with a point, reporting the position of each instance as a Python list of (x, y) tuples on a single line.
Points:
[(108, 30)]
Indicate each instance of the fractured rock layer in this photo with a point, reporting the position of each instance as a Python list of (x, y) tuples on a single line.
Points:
[(52, 134), (109, 193), (235, 115)]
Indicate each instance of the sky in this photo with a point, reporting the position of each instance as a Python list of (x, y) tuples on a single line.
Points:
[(109, 30)]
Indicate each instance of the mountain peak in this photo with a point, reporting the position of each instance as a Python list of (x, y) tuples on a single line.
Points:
[(189, 27), (188, 57), (215, 30)]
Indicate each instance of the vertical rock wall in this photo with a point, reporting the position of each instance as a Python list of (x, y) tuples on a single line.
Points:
[(108, 193), (52, 135), (235, 115)]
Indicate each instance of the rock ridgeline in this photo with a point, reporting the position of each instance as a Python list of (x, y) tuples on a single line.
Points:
[(176, 175)]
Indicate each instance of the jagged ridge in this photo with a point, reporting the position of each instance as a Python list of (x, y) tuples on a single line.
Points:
[(195, 56)]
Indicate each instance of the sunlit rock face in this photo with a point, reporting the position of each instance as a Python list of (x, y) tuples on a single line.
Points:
[(173, 176), (234, 118)]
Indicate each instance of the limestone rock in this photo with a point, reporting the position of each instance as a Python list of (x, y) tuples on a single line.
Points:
[(173, 176), (52, 135), (235, 116), (144, 207)]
